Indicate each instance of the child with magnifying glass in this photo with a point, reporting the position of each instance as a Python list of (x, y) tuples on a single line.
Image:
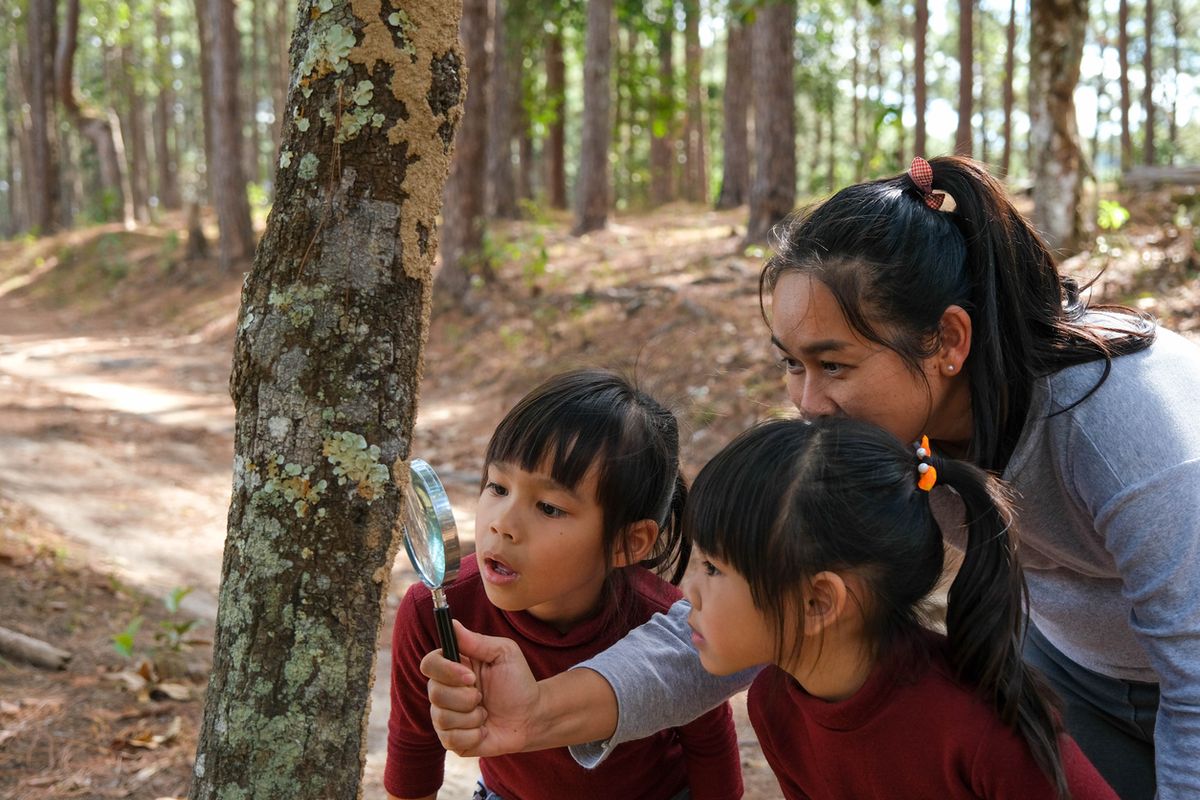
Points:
[(578, 516)]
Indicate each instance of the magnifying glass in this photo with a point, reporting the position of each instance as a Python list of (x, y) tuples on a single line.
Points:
[(431, 539)]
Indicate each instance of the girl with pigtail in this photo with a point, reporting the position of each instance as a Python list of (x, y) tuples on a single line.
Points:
[(926, 304), (818, 550)]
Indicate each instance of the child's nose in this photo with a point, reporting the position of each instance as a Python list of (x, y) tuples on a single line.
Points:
[(504, 523)]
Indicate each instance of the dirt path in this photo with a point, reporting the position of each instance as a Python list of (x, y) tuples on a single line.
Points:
[(124, 444)]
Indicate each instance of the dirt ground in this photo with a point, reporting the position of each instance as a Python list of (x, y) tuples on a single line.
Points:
[(116, 446)]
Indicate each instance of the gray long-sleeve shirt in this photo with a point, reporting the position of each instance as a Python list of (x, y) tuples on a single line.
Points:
[(1108, 502)]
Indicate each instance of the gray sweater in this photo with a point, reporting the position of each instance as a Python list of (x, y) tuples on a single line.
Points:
[(1108, 502)]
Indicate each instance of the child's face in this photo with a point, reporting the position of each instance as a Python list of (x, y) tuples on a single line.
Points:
[(728, 631), (540, 544)]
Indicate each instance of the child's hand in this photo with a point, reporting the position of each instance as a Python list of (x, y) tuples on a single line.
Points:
[(484, 708)]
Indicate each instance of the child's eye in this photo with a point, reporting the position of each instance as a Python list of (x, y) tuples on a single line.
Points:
[(553, 512), (832, 367), (495, 488), (709, 568)]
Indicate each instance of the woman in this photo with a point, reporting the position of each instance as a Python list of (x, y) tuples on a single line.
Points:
[(957, 324)]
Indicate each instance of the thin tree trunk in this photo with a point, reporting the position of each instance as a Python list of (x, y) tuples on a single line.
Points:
[(592, 189), (981, 42), (462, 226), (920, 28), (46, 200), (257, 73), (228, 179), (696, 183), (505, 88), (205, 36), (1148, 154), (1176, 58), (735, 170), (134, 131), (855, 81), (1057, 31), (1123, 82), (526, 174), (963, 139), (328, 354), (164, 118), (773, 192), (556, 81), (662, 122), (1010, 61)]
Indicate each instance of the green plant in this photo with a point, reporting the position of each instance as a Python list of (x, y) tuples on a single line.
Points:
[(123, 641), (1111, 215), (173, 633)]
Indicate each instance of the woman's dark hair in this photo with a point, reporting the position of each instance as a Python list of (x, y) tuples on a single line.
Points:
[(585, 418), (790, 498), (895, 265)]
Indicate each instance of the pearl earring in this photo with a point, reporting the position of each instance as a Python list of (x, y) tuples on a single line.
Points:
[(949, 368)]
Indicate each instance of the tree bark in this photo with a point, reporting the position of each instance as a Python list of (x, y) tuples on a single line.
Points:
[(505, 88), (228, 179), (963, 139), (1148, 152), (44, 179), (1057, 30), (462, 227), (920, 102), (662, 121), (592, 187), (327, 359), (1176, 59), (1123, 82), (735, 169), (135, 133), (1010, 59), (696, 183), (773, 192), (556, 157), (164, 118)]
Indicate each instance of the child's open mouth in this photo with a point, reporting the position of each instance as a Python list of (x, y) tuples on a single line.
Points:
[(499, 572)]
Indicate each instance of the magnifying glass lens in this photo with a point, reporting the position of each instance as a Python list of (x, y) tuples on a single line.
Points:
[(431, 539)]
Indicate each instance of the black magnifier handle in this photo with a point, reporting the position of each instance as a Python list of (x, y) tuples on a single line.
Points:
[(441, 614)]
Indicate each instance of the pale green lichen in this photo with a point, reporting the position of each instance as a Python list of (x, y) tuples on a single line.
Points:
[(308, 166), (324, 6), (302, 124), (285, 159), (362, 93), (354, 461), (299, 303), (293, 484)]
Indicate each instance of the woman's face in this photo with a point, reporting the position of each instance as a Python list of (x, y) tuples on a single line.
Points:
[(831, 370)]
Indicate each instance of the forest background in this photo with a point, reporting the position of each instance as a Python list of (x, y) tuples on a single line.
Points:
[(616, 171)]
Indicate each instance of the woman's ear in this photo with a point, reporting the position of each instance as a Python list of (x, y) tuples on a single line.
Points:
[(825, 602), (954, 340), (637, 543)]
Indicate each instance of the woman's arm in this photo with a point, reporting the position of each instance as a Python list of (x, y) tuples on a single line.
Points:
[(650, 680)]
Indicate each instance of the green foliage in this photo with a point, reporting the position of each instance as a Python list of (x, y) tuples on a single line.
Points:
[(123, 641), (1111, 215), (530, 254), (172, 635)]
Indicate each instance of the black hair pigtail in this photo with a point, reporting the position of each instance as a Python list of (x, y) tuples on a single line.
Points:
[(985, 619)]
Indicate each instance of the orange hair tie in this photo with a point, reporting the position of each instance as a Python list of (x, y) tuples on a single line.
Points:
[(926, 472)]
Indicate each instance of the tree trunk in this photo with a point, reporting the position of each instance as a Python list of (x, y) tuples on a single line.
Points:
[(1123, 82), (773, 193), (526, 181), (1010, 59), (556, 83), (963, 140), (662, 122), (1148, 154), (204, 35), (1176, 59), (228, 180), (591, 190), (327, 358), (505, 88), (46, 200), (134, 131), (462, 226), (696, 182), (256, 73), (735, 170), (1057, 30), (920, 102), (856, 153), (164, 118)]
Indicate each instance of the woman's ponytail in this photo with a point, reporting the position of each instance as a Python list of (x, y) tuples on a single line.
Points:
[(677, 544), (985, 618)]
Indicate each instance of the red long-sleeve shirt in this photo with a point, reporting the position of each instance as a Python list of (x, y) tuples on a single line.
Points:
[(702, 755), (907, 733)]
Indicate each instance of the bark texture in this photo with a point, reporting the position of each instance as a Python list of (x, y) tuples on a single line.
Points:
[(46, 195), (326, 367), (773, 193), (1057, 32), (462, 228), (735, 169), (662, 123), (504, 85), (591, 191)]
